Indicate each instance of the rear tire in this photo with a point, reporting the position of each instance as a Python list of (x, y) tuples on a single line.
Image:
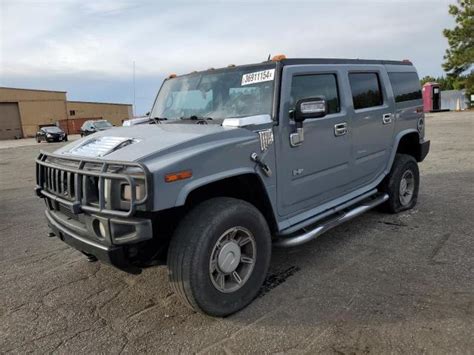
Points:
[(401, 184), (219, 242)]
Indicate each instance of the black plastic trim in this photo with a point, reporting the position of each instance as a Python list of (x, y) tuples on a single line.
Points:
[(423, 150)]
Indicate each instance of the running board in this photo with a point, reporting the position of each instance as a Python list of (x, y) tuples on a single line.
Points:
[(307, 236)]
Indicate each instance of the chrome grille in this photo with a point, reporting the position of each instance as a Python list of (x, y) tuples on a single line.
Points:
[(59, 182)]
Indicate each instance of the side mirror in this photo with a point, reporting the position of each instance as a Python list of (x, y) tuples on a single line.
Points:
[(313, 107)]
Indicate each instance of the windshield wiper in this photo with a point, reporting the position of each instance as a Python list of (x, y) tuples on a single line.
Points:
[(158, 119), (196, 118)]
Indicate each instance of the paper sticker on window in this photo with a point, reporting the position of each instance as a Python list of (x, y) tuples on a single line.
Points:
[(258, 77)]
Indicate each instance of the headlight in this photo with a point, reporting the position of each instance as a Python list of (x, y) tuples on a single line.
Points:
[(49, 135), (140, 190)]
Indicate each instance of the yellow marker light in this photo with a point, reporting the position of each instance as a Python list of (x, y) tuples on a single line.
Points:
[(171, 76), (278, 58), (181, 175)]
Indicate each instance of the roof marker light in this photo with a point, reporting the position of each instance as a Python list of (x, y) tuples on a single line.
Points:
[(171, 76), (278, 58)]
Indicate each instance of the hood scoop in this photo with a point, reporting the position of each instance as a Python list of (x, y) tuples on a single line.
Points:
[(101, 146)]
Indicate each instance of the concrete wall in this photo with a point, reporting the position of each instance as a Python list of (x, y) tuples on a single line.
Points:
[(114, 113)]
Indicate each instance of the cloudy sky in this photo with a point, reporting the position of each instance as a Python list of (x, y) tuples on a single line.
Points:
[(88, 48)]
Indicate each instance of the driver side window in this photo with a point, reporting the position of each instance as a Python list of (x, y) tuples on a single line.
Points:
[(316, 85)]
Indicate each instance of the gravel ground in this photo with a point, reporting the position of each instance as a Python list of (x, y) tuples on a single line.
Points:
[(380, 283)]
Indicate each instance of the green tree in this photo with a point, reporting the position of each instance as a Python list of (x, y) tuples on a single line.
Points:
[(459, 56), (428, 79)]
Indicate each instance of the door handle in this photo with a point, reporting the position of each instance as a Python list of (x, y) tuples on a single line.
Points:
[(340, 129), (387, 118)]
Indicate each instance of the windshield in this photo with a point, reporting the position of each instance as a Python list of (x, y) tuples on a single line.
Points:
[(102, 124), (233, 92), (52, 129)]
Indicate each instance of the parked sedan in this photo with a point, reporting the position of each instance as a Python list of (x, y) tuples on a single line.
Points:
[(51, 134), (90, 127)]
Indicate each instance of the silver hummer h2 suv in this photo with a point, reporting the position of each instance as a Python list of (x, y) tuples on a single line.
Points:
[(238, 159)]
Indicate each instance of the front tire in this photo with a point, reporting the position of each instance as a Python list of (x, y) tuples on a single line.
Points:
[(219, 256), (402, 184)]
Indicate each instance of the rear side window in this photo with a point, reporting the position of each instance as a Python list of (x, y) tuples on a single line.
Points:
[(316, 85), (366, 90), (406, 86)]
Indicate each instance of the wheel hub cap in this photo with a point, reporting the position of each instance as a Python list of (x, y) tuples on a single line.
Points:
[(229, 257), (232, 259), (407, 188)]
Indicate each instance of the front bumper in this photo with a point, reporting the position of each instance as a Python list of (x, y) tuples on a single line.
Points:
[(84, 237)]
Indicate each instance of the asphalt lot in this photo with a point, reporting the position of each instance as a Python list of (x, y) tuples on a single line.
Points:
[(380, 283)]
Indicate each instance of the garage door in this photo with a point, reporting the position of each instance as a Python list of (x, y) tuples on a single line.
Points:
[(10, 126)]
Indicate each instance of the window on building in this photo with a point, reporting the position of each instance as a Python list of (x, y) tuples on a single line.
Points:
[(72, 112), (316, 85), (406, 86), (366, 90)]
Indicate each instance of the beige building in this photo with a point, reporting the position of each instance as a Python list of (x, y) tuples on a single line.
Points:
[(24, 111)]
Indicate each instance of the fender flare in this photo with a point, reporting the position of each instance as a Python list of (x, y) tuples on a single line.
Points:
[(195, 184), (397, 140)]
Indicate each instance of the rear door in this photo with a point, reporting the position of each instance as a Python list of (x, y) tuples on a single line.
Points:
[(372, 123)]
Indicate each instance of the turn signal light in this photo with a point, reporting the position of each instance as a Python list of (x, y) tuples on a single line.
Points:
[(181, 175)]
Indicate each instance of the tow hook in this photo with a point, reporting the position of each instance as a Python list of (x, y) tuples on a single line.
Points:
[(267, 171)]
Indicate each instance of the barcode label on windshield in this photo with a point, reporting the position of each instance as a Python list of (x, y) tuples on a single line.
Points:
[(258, 77)]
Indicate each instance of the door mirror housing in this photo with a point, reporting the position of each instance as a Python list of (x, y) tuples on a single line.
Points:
[(312, 107)]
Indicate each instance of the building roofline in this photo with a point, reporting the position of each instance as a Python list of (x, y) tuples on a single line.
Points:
[(11, 88), (98, 103)]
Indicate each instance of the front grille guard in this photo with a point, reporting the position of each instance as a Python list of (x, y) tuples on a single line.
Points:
[(67, 184)]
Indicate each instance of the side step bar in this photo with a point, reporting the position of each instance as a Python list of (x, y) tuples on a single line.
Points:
[(340, 218)]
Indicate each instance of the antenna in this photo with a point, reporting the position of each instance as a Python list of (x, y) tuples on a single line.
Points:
[(134, 96)]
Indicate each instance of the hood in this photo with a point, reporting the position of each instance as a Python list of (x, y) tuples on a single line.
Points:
[(141, 142)]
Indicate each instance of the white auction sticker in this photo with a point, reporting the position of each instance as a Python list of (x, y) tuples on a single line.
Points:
[(258, 77)]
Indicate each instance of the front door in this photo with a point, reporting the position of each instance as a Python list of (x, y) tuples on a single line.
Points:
[(317, 170)]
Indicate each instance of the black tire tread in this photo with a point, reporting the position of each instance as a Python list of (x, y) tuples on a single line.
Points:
[(182, 246), (391, 183)]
